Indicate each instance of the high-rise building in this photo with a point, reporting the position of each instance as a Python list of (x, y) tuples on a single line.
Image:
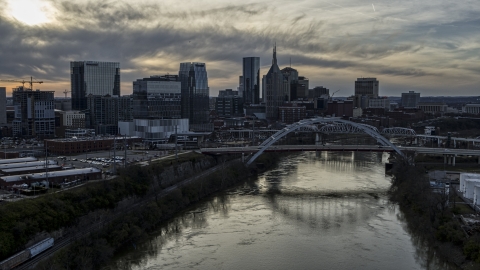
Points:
[(3, 105), (365, 88), (302, 88), (251, 80), (195, 92), (34, 113), (240, 87), (410, 99), (157, 97), (290, 83), (93, 78), (275, 94)]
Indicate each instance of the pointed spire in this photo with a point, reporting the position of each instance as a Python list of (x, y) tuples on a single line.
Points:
[(274, 60)]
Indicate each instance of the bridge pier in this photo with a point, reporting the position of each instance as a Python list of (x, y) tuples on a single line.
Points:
[(449, 159), (478, 160)]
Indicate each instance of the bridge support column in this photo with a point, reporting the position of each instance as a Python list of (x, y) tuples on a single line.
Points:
[(449, 160), (453, 160), (319, 154), (478, 159), (243, 157), (317, 139), (444, 159)]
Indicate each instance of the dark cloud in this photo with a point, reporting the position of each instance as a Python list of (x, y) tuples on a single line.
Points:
[(153, 39)]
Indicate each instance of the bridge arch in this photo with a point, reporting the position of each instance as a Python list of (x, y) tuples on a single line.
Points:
[(307, 123)]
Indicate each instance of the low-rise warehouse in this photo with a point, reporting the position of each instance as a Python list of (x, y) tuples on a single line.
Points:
[(16, 160), (56, 177), (27, 164), (29, 170)]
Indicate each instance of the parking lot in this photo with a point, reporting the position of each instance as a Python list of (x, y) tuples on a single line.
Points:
[(105, 160)]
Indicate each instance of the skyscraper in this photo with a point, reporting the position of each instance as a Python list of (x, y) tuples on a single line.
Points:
[(365, 88), (3, 105), (95, 78), (274, 83), (251, 80), (195, 92)]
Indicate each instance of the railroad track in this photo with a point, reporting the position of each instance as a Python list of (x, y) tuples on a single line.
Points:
[(63, 242)]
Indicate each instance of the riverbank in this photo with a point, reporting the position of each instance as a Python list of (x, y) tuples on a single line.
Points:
[(429, 216), (96, 249)]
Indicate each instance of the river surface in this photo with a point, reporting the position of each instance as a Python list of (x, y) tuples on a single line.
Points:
[(309, 212)]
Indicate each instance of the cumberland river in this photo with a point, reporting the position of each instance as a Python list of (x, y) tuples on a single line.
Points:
[(310, 212)]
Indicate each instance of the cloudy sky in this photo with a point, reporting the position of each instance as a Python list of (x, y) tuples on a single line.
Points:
[(429, 46)]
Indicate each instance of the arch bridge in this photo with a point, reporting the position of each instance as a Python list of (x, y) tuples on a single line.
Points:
[(330, 125)]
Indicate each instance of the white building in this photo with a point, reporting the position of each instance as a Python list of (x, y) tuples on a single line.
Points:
[(433, 108), (70, 117), (381, 103), (471, 108), (465, 176), (154, 130)]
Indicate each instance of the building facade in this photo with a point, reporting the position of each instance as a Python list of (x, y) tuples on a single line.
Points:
[(410, 99), (275, 91), (291, 114), (74, 119), (102, 114), (157, 97), (340, 108), (433, 108), (471, 108), (34, 113), (194, 92), (3, 105), (93, 78), (228, 103), (159, 130), (251, 80), (365, 88), (383, 103)]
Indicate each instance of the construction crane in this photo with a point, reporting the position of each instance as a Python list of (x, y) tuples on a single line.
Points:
[(65, 92), (31, 82), (334, 93)]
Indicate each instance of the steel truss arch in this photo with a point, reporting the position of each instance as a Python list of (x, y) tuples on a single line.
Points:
[(399, 131), (340, 127), (320, 120)]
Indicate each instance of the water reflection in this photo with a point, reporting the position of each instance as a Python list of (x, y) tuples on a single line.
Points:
[(325, 211)]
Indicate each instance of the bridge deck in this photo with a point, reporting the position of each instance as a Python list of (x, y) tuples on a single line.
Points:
[(340, 148)]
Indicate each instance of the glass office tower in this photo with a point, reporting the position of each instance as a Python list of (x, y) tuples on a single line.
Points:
[(92, 77), (195, 92), (251, 80)]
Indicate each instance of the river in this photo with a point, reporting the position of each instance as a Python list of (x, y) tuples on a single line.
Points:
[(310, 212)]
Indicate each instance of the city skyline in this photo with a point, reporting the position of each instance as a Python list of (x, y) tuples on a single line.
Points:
[(430, 47)]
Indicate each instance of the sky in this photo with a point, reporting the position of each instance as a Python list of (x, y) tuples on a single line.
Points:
[(427, 46)]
